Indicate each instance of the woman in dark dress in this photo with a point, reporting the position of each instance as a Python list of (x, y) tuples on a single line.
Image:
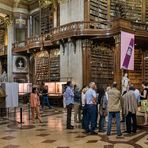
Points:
[(144, 102)]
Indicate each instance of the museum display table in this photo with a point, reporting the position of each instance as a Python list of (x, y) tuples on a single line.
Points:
[(56, 100)]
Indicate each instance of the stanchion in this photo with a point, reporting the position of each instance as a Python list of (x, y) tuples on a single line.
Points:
[(28, 110), (14, 112), (21, 115)]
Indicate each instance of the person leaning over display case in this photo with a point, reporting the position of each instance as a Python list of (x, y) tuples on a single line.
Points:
[(35, 105)]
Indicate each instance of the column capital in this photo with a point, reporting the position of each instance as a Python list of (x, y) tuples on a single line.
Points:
[(117, 39)]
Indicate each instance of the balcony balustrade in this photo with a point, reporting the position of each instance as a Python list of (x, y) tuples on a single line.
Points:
[(83, 29)]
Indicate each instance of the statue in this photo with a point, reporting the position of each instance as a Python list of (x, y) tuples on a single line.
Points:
[(20, 64), (125, 83), (3, 77)]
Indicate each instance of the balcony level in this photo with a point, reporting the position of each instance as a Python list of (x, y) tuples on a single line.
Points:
[(82, 30)]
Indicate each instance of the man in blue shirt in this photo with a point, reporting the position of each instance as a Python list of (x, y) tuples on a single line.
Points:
[(69, 101), (91, 107)]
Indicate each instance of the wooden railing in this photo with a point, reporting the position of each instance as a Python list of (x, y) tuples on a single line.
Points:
[(81, 28)]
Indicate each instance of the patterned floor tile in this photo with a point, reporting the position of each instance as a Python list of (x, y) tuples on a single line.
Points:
[(48, 141), (108, 146), (41, 129), (80, 136), (92, 141), (27, 127), (43, 135), (8, 138), (63, 147), (10, 131), (3, 123), (11, 146), (121, 137)]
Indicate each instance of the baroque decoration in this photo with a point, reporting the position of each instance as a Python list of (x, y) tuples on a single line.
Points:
[(44, 3)]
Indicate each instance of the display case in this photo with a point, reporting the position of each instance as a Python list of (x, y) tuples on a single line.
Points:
[(24, 92), (25, 88), (55, 93), (55, 88)]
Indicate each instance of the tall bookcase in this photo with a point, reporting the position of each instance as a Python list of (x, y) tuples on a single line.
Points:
[(129, 9), (98, 10), (46, 19), (55, 65), (2, 34), (134, 10), (102, 66), (146, 15), (146, 66), (136, 75), (42, 69)]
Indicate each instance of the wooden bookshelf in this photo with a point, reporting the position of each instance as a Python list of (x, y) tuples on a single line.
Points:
[(135, 76), (2, 36), (101, 66), (128, 9), (98, 10), (46, 19), (146, 13), (54, 65), (42, 69), (146, 66)]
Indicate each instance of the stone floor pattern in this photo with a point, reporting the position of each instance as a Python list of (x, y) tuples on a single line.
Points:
[(53, 134)]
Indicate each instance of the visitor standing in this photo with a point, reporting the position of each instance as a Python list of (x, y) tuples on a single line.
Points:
[(129, 110), (91, 107), (84, 110), (102, 111), (114, 107), (69, 101), (77, 110), (144, 102), (35, 105)]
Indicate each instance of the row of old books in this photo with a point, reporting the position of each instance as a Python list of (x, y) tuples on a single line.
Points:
[(101, 66), (46, 19)]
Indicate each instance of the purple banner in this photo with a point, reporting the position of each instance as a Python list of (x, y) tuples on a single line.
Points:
[(127, 50)]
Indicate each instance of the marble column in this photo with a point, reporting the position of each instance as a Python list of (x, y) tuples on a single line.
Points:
[(9, 52)]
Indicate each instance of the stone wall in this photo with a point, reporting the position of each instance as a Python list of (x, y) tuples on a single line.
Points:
[(71, 62), (71, 11)]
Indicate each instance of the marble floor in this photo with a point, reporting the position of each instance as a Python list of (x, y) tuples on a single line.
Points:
[(53, 134)]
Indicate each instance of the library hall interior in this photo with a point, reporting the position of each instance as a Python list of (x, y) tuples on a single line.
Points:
[(73, 73)]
